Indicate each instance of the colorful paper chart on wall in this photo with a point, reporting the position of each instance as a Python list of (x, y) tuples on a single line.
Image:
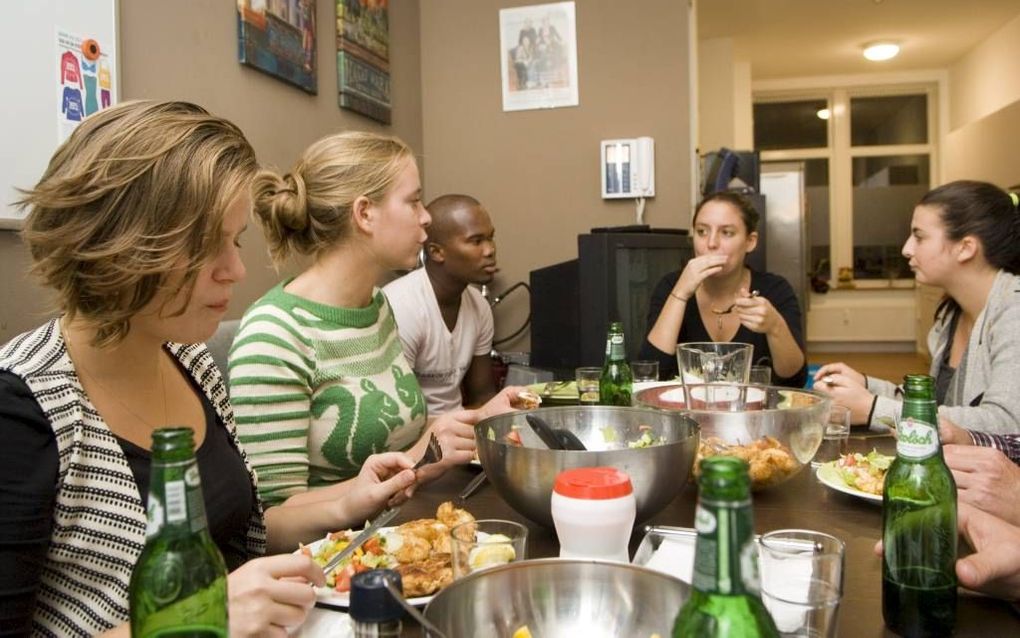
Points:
[(62, 65), (86, 74)]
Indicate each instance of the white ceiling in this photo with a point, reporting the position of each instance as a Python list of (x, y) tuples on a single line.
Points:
[(795, 38)]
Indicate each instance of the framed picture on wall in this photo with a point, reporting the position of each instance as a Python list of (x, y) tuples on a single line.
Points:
[(538, 56), (363, 57), (278, 37)]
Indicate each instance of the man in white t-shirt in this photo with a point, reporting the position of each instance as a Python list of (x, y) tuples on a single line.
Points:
[(445, 324)]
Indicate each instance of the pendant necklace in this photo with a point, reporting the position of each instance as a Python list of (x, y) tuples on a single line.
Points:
[(113, 395)]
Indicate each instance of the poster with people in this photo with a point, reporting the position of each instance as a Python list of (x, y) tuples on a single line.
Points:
[(85, 79), (538, 51)]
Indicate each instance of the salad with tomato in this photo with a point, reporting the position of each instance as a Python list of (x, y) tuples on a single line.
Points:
[(371, 555), (865, 472)]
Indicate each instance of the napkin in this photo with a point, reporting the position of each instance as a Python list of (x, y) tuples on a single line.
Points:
[(324, 623)]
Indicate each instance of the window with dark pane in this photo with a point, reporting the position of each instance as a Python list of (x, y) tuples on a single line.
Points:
[(786, 125), (816, 194), (892, 119), (885, 191)]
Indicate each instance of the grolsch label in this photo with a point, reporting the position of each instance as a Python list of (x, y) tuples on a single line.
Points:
[(916, 439)]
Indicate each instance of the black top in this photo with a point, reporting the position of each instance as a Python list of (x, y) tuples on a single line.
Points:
[(28, 476), (772, 287)]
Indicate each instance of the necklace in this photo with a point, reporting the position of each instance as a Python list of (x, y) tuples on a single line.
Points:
[(113, 395)]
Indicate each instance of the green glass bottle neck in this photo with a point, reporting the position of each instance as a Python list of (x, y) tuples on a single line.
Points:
[(615, 348), (917, 433), (176, 505), (724, 554)]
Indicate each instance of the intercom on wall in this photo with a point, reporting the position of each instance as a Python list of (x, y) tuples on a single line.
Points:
[(628, 168)]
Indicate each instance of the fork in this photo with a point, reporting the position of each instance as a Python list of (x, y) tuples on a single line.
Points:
[(433, 453), (754, 293)]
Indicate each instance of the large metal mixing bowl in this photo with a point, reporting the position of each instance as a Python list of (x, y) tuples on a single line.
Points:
[(560, 598), (777, 430), (524, 475)]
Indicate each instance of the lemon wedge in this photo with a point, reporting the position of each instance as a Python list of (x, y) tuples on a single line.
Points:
[(522, 632), (493, 550)]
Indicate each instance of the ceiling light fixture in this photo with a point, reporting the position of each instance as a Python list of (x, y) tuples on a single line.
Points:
[(878, 51), (824, 114)]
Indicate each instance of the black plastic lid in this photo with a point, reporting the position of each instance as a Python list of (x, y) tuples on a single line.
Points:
[(371, 601)]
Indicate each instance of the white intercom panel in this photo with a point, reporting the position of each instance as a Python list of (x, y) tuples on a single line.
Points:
[(628, 168)]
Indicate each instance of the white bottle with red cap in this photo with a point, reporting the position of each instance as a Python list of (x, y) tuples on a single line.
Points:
[(593, 509)]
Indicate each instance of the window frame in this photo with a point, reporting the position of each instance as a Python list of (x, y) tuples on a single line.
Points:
[(840, 153)]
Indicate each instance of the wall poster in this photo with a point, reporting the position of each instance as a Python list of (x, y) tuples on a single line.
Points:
[(87, 70), (538, 55), (363, 57), (278, 37)]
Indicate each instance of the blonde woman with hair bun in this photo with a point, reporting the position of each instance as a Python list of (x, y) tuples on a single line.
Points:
[(318, 377), (136, 226)]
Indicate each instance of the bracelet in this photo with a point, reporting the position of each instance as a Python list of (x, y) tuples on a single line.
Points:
[(678, 297)]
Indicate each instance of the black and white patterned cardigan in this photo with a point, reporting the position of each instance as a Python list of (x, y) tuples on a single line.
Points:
[(98, 521)]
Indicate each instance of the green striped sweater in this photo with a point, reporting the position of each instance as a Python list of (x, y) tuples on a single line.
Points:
[(316, 389)]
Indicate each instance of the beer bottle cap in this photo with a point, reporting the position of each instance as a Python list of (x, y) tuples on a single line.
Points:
[(595, 483), (371, 602)]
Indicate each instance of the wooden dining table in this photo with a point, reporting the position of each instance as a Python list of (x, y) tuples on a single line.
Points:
[(802, 502)]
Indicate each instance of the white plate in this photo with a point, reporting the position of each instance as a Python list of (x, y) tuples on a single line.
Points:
[(327, 597), (829, 477)]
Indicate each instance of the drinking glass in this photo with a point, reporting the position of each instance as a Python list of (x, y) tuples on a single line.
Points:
[(836, 436), (645, 371), (714, 362), (486, 543), (588, 385), (760, 375), (802, 581)]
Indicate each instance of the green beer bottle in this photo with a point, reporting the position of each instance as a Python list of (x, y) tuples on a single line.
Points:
[(179, 584), (616, 380), (725, 600), (919, 523)]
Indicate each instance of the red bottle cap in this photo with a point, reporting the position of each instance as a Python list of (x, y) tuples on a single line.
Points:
[(594, 483)]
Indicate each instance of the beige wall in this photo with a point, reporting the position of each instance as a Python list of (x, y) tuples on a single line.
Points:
[(987, 78), (984, 91), (725, 114), (538, 171), (187, 49)]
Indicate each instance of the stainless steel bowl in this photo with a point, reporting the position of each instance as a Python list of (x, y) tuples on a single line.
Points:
[(524, 475), (778, 430), (558, 597)]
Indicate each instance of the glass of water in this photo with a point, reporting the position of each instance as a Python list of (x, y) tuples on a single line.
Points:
[(802, 581), (836, 436)]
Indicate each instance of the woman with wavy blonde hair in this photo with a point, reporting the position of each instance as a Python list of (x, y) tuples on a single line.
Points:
[(317, 373), (135, 224)]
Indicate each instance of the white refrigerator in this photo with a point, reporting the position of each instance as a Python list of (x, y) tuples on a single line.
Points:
[(786, 243)]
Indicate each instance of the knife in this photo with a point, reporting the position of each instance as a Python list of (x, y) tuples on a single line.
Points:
[(384, 517)]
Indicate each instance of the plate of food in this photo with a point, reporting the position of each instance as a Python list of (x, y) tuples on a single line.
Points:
[(418, 549), (856, 474), (556, 392)]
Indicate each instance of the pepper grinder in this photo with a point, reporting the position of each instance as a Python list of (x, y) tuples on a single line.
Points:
[(373, 609)]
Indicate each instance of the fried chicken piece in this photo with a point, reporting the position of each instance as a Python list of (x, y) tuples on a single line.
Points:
[(426, 577), (413, 549), (432, 531), (526, 400), (452, 516)]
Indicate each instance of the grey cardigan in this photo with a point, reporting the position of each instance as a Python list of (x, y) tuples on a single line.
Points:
[(984, 394)]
